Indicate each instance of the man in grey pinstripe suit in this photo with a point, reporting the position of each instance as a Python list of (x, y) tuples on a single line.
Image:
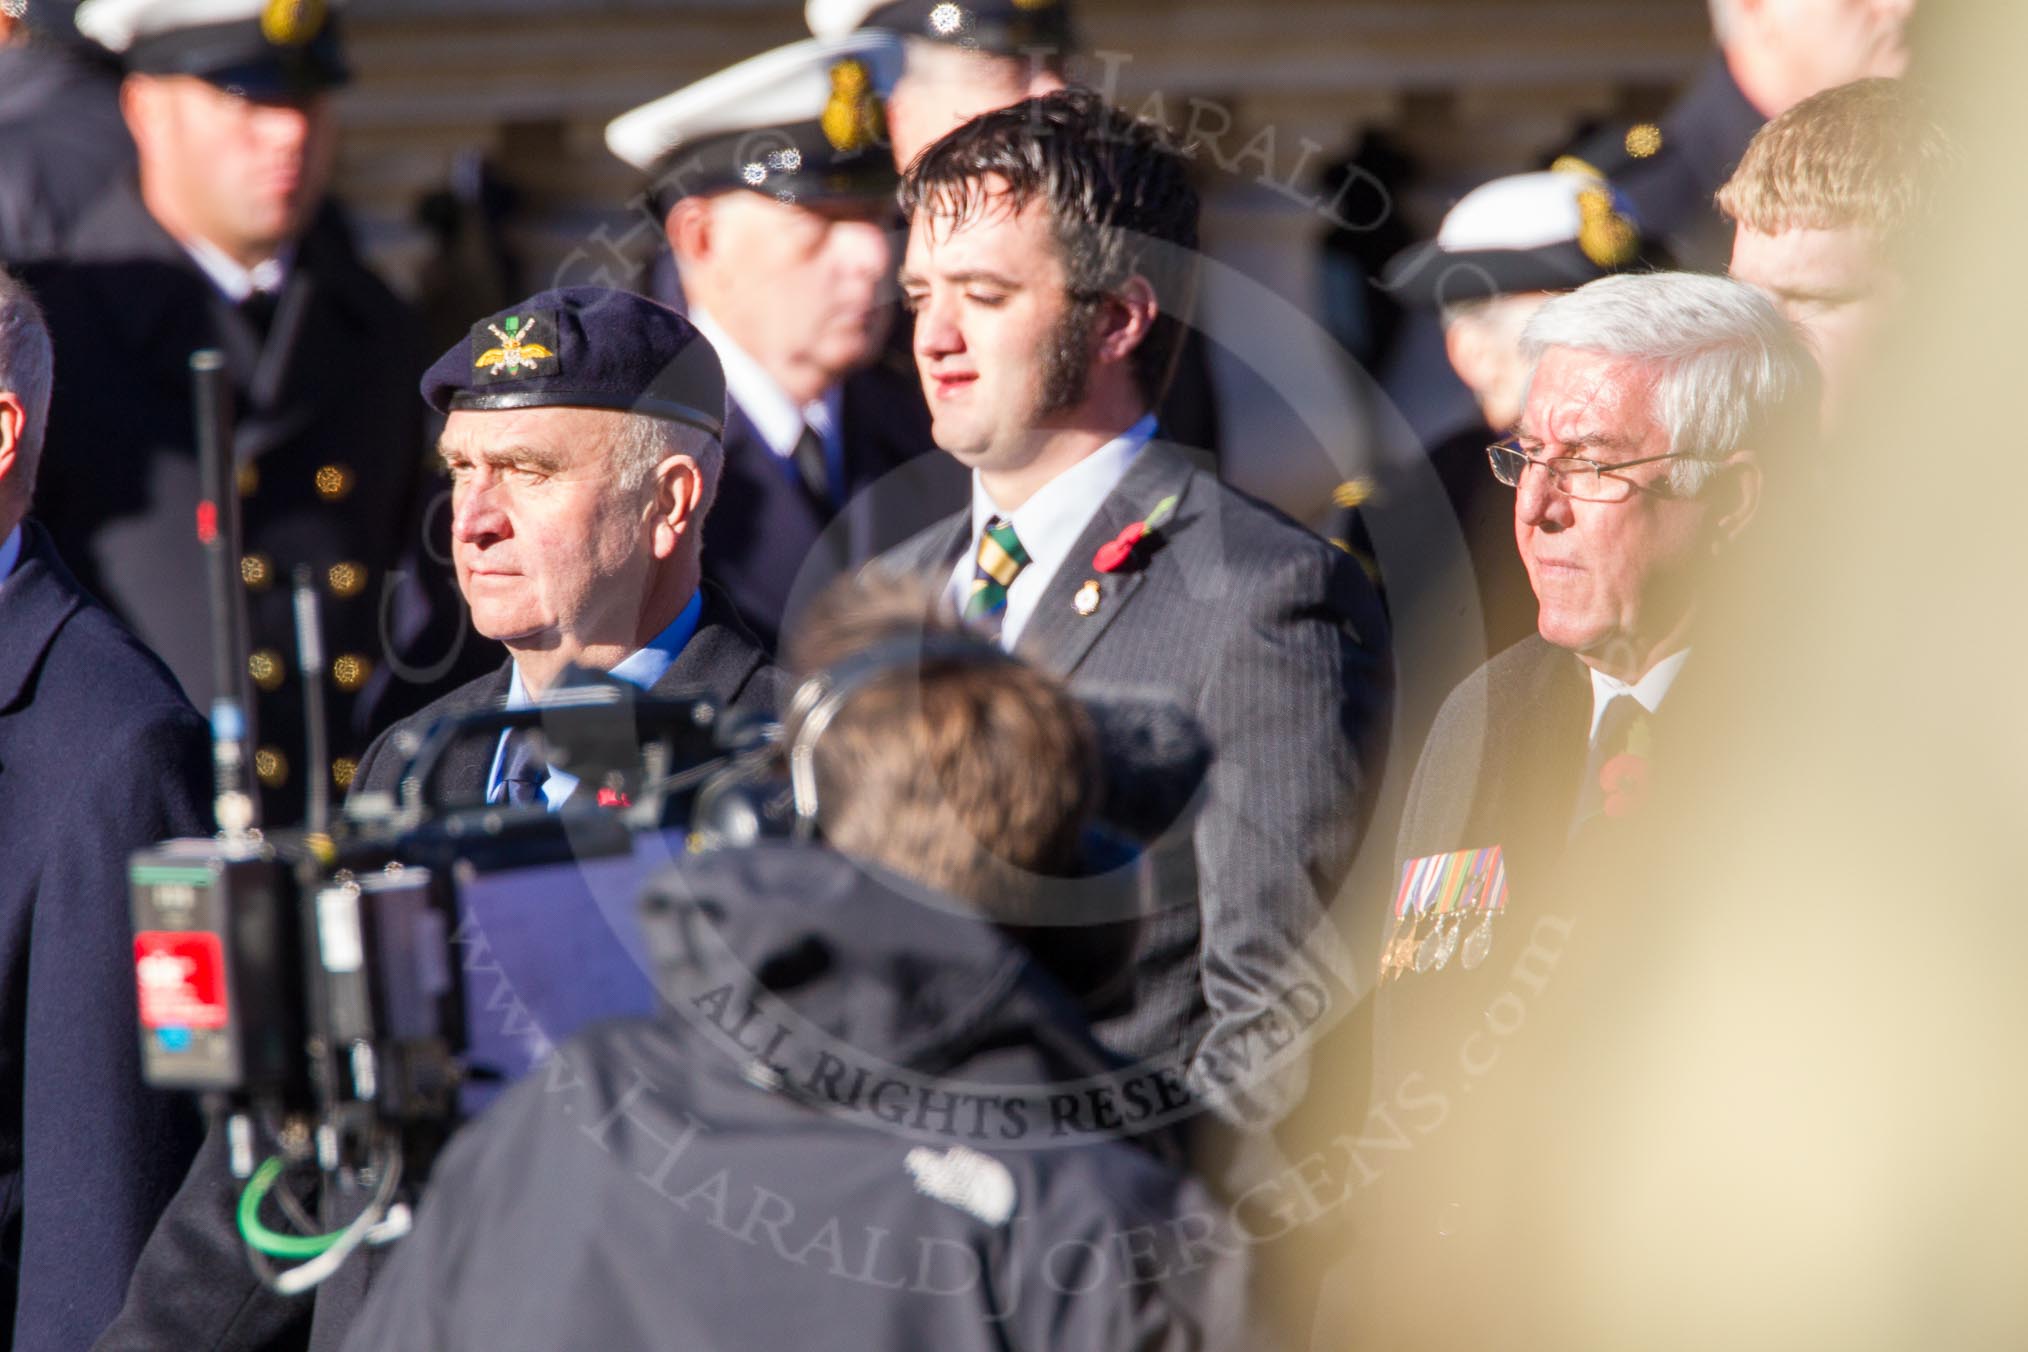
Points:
[(1050, 255)]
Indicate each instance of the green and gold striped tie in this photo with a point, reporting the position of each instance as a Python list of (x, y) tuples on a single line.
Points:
[(1000, 559)]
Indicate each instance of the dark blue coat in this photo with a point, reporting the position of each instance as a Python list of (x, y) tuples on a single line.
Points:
[(99, 756)]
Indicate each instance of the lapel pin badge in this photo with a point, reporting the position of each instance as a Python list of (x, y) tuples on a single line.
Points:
[(1086, 602)]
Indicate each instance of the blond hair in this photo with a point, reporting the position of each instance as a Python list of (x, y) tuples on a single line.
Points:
[(1864, 154), (954, 764)]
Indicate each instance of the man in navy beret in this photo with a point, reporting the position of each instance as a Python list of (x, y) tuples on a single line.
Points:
[(582, 438)]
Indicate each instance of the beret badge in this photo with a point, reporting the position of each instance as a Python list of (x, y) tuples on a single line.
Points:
[(852, 119), (520, 349)]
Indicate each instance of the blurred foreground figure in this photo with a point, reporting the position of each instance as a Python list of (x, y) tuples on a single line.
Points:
[(724, 1176), (63, 144), (1826, 201), (100, 755)]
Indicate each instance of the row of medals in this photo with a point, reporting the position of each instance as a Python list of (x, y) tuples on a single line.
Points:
[(1411, 948)]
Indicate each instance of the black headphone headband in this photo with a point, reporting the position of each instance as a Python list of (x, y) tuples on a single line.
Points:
[(819, 699)]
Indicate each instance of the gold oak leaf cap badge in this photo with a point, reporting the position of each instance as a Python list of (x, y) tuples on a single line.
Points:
[(852, 118), (293, 23), (1604, 232)]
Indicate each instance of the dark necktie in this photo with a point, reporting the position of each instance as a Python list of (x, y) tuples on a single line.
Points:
[(259, 309), (1616, 770), (999, 560), (524, 770), (812, 466)]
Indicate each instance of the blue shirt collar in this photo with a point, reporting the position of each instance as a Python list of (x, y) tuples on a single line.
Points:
[(10, 552), (640, 668), (643, 668)]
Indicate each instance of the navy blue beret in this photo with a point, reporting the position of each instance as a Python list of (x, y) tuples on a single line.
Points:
[(584, 347)]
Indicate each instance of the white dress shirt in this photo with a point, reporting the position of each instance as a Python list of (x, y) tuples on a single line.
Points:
[(1648, 692), (1049, 523), (778, 418), (235, 282)]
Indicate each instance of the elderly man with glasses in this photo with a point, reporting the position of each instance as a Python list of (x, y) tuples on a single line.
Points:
[(1653, 403)]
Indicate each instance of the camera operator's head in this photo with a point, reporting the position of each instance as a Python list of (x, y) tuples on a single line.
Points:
[(937, 755), (582, 440)]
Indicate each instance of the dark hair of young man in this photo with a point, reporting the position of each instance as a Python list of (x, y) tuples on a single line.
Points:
[(1119, 199)]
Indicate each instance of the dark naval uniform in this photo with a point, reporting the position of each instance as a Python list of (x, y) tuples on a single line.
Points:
[(805, 126), (63, 143), (1671, 170), (329, 444), (769, 528)]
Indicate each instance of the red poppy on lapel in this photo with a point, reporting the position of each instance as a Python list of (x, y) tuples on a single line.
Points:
[(1117, 552), (1625, 781), (611, 797)]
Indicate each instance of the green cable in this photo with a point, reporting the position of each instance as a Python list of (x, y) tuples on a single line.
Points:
[(271, 1242)]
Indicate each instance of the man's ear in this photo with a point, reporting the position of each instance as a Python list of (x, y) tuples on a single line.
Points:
[(1735, 497), (13, 426), (141, 106), (1126, 317), (688, 228), (674, 515), (1465, 346)]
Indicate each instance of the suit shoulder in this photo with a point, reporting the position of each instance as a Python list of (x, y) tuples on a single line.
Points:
[(473, 694), (100, 663), (1257, 540), (1517, 673)]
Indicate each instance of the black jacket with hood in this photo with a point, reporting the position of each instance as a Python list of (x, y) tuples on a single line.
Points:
[(839, 1133)]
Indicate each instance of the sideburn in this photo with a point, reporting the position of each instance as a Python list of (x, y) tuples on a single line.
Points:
[(1066, 371)]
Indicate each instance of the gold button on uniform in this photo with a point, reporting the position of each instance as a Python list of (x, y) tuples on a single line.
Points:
[(265, 667), (346, 579), (1643, 139), (350, 671), (333, 482), (271, 766), (342, 771), (249, 479), (257, 572)]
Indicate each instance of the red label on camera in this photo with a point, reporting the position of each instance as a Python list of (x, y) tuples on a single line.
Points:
[(181, 979)]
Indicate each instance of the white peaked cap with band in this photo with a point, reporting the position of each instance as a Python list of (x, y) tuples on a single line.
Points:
[(790, 85)]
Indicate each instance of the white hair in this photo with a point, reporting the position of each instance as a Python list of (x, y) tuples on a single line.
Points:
[(643, 442), (1722, 22), (1731, 371), (14, 9), (27, 371)]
